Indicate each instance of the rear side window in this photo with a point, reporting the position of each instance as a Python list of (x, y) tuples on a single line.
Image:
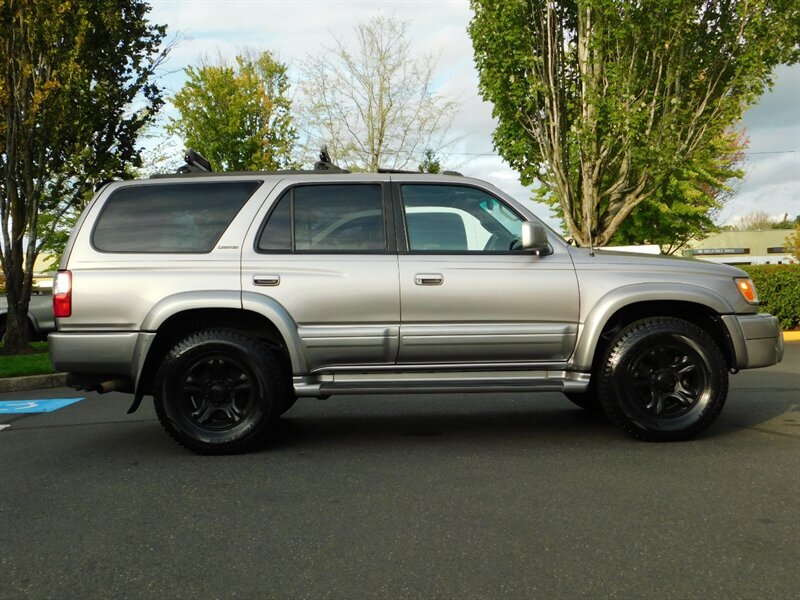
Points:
[(173, 218), (326, 218)]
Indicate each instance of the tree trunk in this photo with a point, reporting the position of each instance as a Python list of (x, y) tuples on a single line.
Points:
[(16, 335)]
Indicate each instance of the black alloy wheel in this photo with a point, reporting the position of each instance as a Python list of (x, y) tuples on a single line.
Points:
[(663, 379), (217, 391)]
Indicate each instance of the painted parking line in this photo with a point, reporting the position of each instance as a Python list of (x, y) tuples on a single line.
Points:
[(3, 426), (18, 407)]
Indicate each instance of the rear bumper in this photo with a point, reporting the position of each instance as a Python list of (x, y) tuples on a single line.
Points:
[(757, 340), (117, 354)]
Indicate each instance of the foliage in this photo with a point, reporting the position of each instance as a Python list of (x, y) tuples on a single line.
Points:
[(237, 115), (793, 241), (603, 101), (778, 291), (76, 87), (430, 162), (685, 206), (759, 220), (375, 105)]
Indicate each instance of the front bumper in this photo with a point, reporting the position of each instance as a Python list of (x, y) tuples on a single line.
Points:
[(757, 340)]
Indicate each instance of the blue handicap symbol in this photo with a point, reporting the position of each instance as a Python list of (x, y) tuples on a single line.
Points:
[(16, 407)]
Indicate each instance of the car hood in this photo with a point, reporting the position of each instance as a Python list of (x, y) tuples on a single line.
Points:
[(624, 261)]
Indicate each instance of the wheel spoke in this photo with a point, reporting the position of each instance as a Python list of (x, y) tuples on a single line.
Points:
[(684, 396), (242, 383), (653, 402), (689, 368), (204, 412)]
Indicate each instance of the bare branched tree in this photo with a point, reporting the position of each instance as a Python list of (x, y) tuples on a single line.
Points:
[(375, 104)]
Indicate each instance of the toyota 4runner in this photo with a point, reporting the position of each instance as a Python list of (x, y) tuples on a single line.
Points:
[(227, 296)]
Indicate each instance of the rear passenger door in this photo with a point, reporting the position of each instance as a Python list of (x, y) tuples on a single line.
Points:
[(325, 251)]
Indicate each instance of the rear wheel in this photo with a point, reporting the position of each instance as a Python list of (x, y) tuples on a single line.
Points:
[(217, 391), (663, 379)]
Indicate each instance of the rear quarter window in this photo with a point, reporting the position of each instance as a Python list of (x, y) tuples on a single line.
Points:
[(169, 218)]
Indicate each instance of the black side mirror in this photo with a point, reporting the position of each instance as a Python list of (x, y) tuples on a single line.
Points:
[(534, 238)]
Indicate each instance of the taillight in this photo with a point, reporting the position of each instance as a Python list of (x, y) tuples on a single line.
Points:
[(747, 289), (62, 294)]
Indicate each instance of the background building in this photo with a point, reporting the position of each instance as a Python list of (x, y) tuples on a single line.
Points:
[(744, 248)]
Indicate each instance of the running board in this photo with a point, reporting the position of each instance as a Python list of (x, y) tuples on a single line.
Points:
[(435, 383)]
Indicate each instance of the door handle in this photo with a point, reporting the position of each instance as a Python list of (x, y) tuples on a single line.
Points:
[(270, 280), (429, 279)]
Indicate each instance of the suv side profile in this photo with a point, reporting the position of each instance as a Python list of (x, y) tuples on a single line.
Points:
[(228, 296)]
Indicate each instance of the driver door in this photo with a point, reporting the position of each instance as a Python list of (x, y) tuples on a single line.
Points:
[(468, 294)]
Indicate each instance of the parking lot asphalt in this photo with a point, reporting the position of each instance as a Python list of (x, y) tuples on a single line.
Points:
[(476, 496)]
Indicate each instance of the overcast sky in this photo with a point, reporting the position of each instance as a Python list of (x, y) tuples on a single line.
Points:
[(292, 29)]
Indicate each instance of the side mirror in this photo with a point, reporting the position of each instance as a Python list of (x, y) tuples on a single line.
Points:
[(534, 237)]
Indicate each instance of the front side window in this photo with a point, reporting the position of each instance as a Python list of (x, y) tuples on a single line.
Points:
[(326, 218), (453, 218), (170, 217)]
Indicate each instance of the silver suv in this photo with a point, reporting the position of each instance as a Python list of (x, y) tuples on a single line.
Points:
[(228, 296)]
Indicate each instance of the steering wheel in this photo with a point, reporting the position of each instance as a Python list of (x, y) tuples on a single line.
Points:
[(516, 244)]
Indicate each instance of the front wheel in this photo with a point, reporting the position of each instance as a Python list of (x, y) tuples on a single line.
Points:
[(663, 379), (217, 391)]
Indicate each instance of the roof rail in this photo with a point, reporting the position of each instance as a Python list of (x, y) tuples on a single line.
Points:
[(406, 172)]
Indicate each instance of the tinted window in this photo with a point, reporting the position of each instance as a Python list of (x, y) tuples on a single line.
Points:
[(326, 218), (176, 217), (451, 218)]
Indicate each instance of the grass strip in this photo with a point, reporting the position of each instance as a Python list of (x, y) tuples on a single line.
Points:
[(19, 365)]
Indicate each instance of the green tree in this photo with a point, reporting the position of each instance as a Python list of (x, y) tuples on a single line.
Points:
[(685, 207), (603, 101), (374, 105), (237, 115), (76, 87), (430, 162)]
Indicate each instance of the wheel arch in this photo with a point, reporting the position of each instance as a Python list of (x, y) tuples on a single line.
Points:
[(265, 320), (694, 304)]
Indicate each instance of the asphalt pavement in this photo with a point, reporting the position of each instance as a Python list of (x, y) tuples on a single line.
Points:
[(451, 496)]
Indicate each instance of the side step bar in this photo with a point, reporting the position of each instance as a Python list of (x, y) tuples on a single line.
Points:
[(435, 383)]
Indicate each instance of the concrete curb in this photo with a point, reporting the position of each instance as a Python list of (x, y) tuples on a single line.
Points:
[(791, 336), (32, 382)]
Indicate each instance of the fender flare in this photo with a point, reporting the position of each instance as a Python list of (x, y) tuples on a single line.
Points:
[(260, 304), (613, 301)]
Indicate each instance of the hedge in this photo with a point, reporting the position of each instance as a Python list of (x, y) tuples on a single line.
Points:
[(778, 289)]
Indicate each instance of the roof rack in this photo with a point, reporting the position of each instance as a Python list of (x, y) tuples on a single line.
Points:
[(326, 164), (195, 163)]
